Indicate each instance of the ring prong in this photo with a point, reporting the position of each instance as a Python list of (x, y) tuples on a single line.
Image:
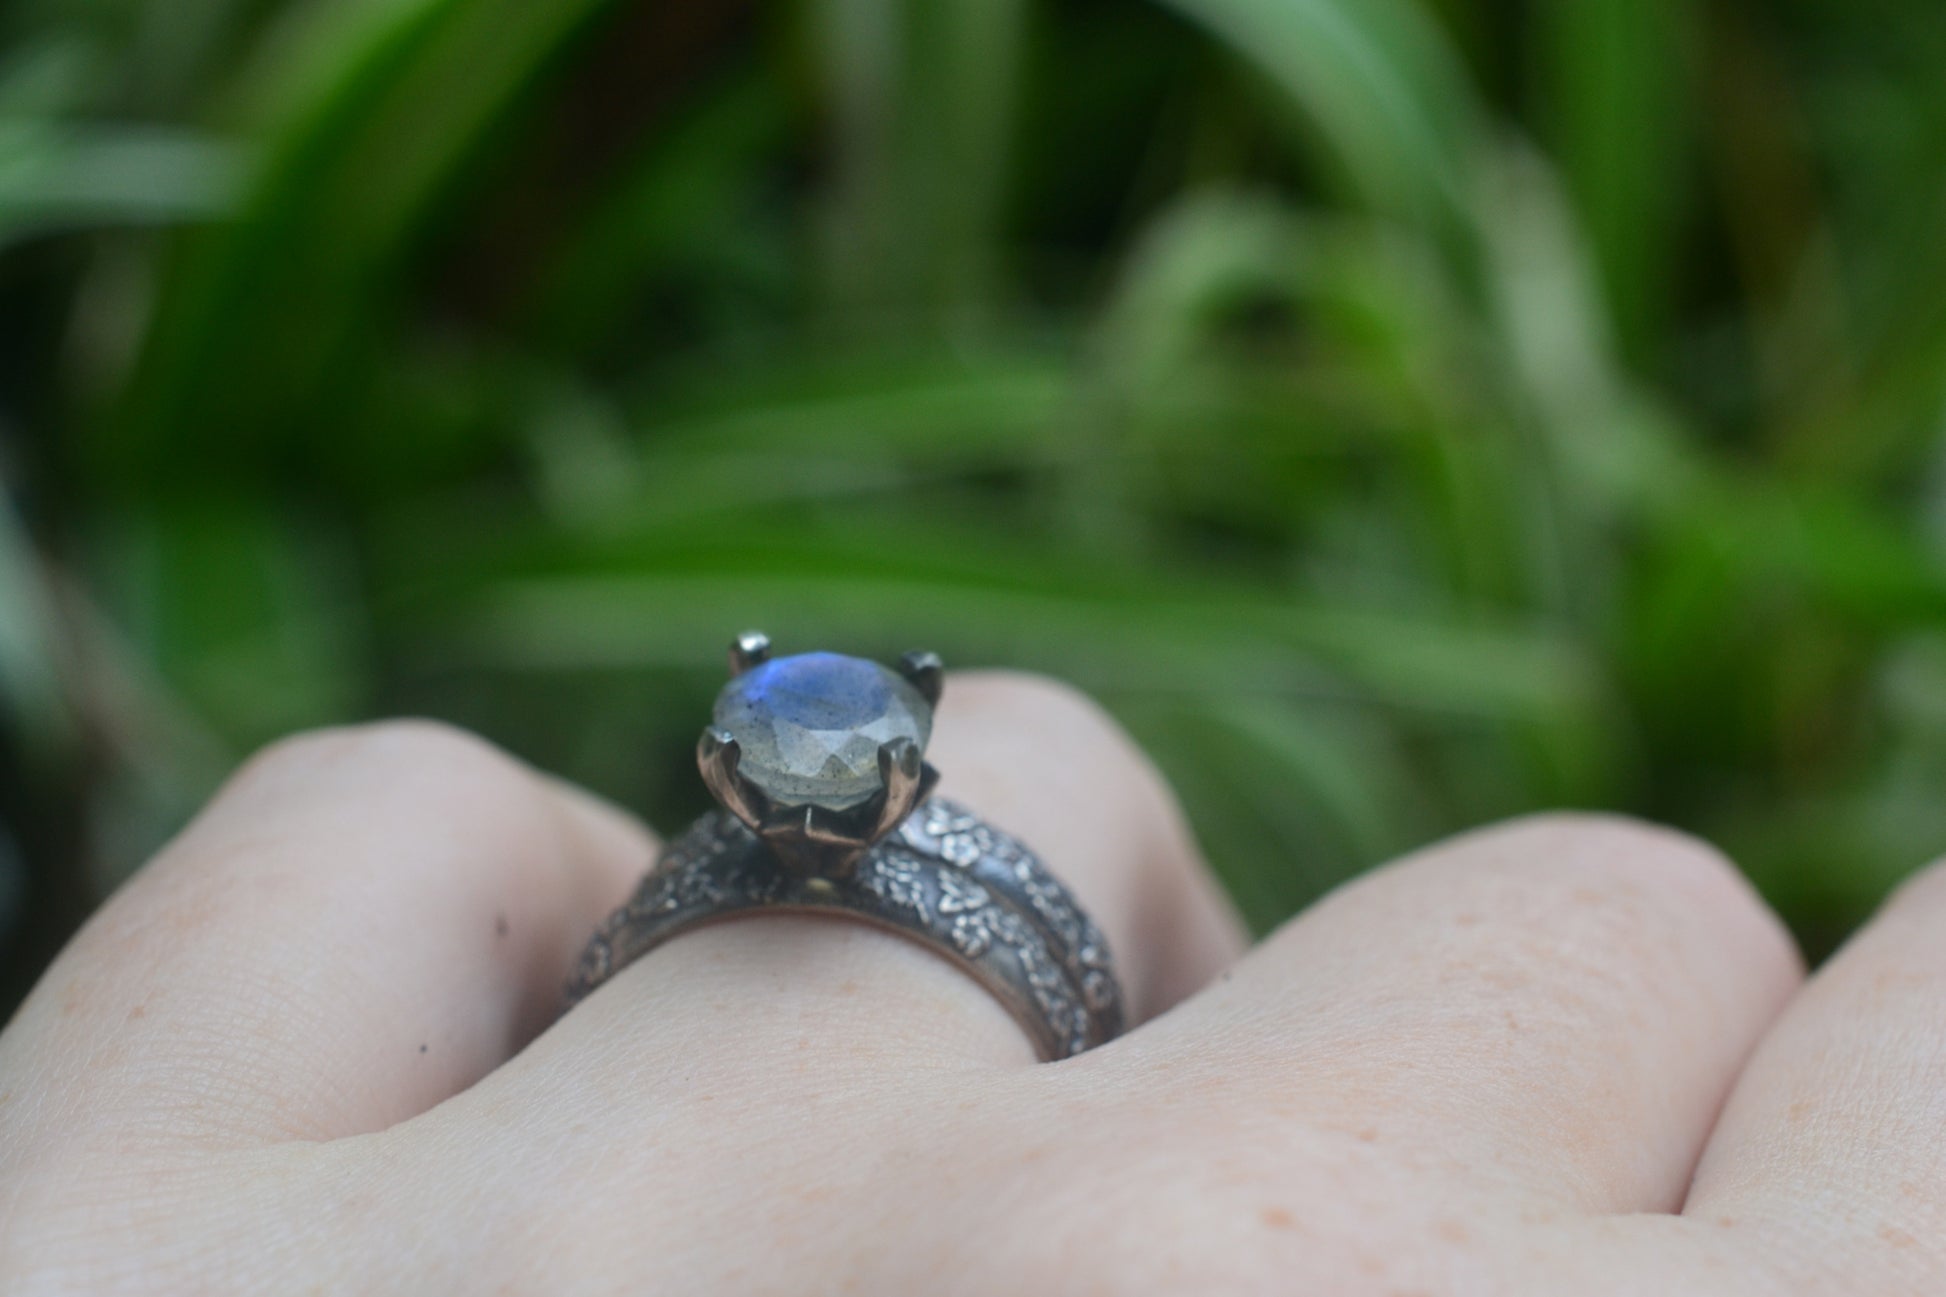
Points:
[(717, 757), (926, 673), (824, 832), (750, 649), (905, 780), (816, 842)]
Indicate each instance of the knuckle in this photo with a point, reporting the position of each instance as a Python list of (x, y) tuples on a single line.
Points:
[(380, 752), (1647, 879), (434, 790), (1925, 886), (1632, 849), (1053, 744), (419, 744), (1055, 721), (304, 750), (1031, 693)]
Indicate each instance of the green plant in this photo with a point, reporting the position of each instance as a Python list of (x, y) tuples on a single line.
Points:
[(1402, 414)]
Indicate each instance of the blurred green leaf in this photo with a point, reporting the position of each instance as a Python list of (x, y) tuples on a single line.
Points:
[(1380, 87), (33, 692), (56, 177), (246, 614), (381, 112), (46, 78), (670, 210), (1403, 414), (648, 598), (921, 98), (1616, 76)]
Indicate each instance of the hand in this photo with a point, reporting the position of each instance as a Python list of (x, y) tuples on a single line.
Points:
[(309, 1048)]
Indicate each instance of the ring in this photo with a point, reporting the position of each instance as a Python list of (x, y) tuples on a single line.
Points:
[(816, 762)]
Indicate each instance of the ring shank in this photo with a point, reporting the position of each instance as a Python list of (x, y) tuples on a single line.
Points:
[(945, 879)]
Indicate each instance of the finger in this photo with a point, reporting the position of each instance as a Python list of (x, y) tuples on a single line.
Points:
[(1033, 758), (1060, 774), (361, 923), (1833, 1146), (1555, 1007)]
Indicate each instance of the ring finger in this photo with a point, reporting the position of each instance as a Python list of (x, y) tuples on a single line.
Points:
[(1033, 758)]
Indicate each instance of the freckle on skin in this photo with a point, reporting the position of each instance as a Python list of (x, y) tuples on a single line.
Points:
[(1896, 979), (1895, 1236), (1369, 1135), (1278, 1218), (1453, 1231), (1466, 920), (1726, 1222), (137, 1012)]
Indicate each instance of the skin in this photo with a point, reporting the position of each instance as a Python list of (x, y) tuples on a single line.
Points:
[(310, 1048)]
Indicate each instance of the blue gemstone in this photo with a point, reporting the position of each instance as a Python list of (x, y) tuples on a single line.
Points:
[(809, 727), (819, 691)]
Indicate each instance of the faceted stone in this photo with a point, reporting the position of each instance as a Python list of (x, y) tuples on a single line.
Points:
[(809, 727)]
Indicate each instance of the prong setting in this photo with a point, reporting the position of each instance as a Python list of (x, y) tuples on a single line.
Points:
[(808, 789), (816, 839), (750, 649), (904, 775), (717, 756), (926, 673)]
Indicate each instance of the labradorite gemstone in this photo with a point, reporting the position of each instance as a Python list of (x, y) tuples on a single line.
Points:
[(810, 726)]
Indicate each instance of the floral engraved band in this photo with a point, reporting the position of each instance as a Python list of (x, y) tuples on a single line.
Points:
[(817, 763)]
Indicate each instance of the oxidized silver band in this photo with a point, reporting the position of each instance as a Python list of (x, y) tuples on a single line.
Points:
[(946, 878), (816, 761)]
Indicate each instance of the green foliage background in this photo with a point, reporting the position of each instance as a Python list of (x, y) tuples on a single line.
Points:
[(1403, 413)]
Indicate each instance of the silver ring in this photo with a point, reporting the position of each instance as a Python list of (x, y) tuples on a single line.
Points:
[(826, 809)]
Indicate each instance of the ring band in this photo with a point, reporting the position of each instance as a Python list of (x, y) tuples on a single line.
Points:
[(919, 866), (948, 880)]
